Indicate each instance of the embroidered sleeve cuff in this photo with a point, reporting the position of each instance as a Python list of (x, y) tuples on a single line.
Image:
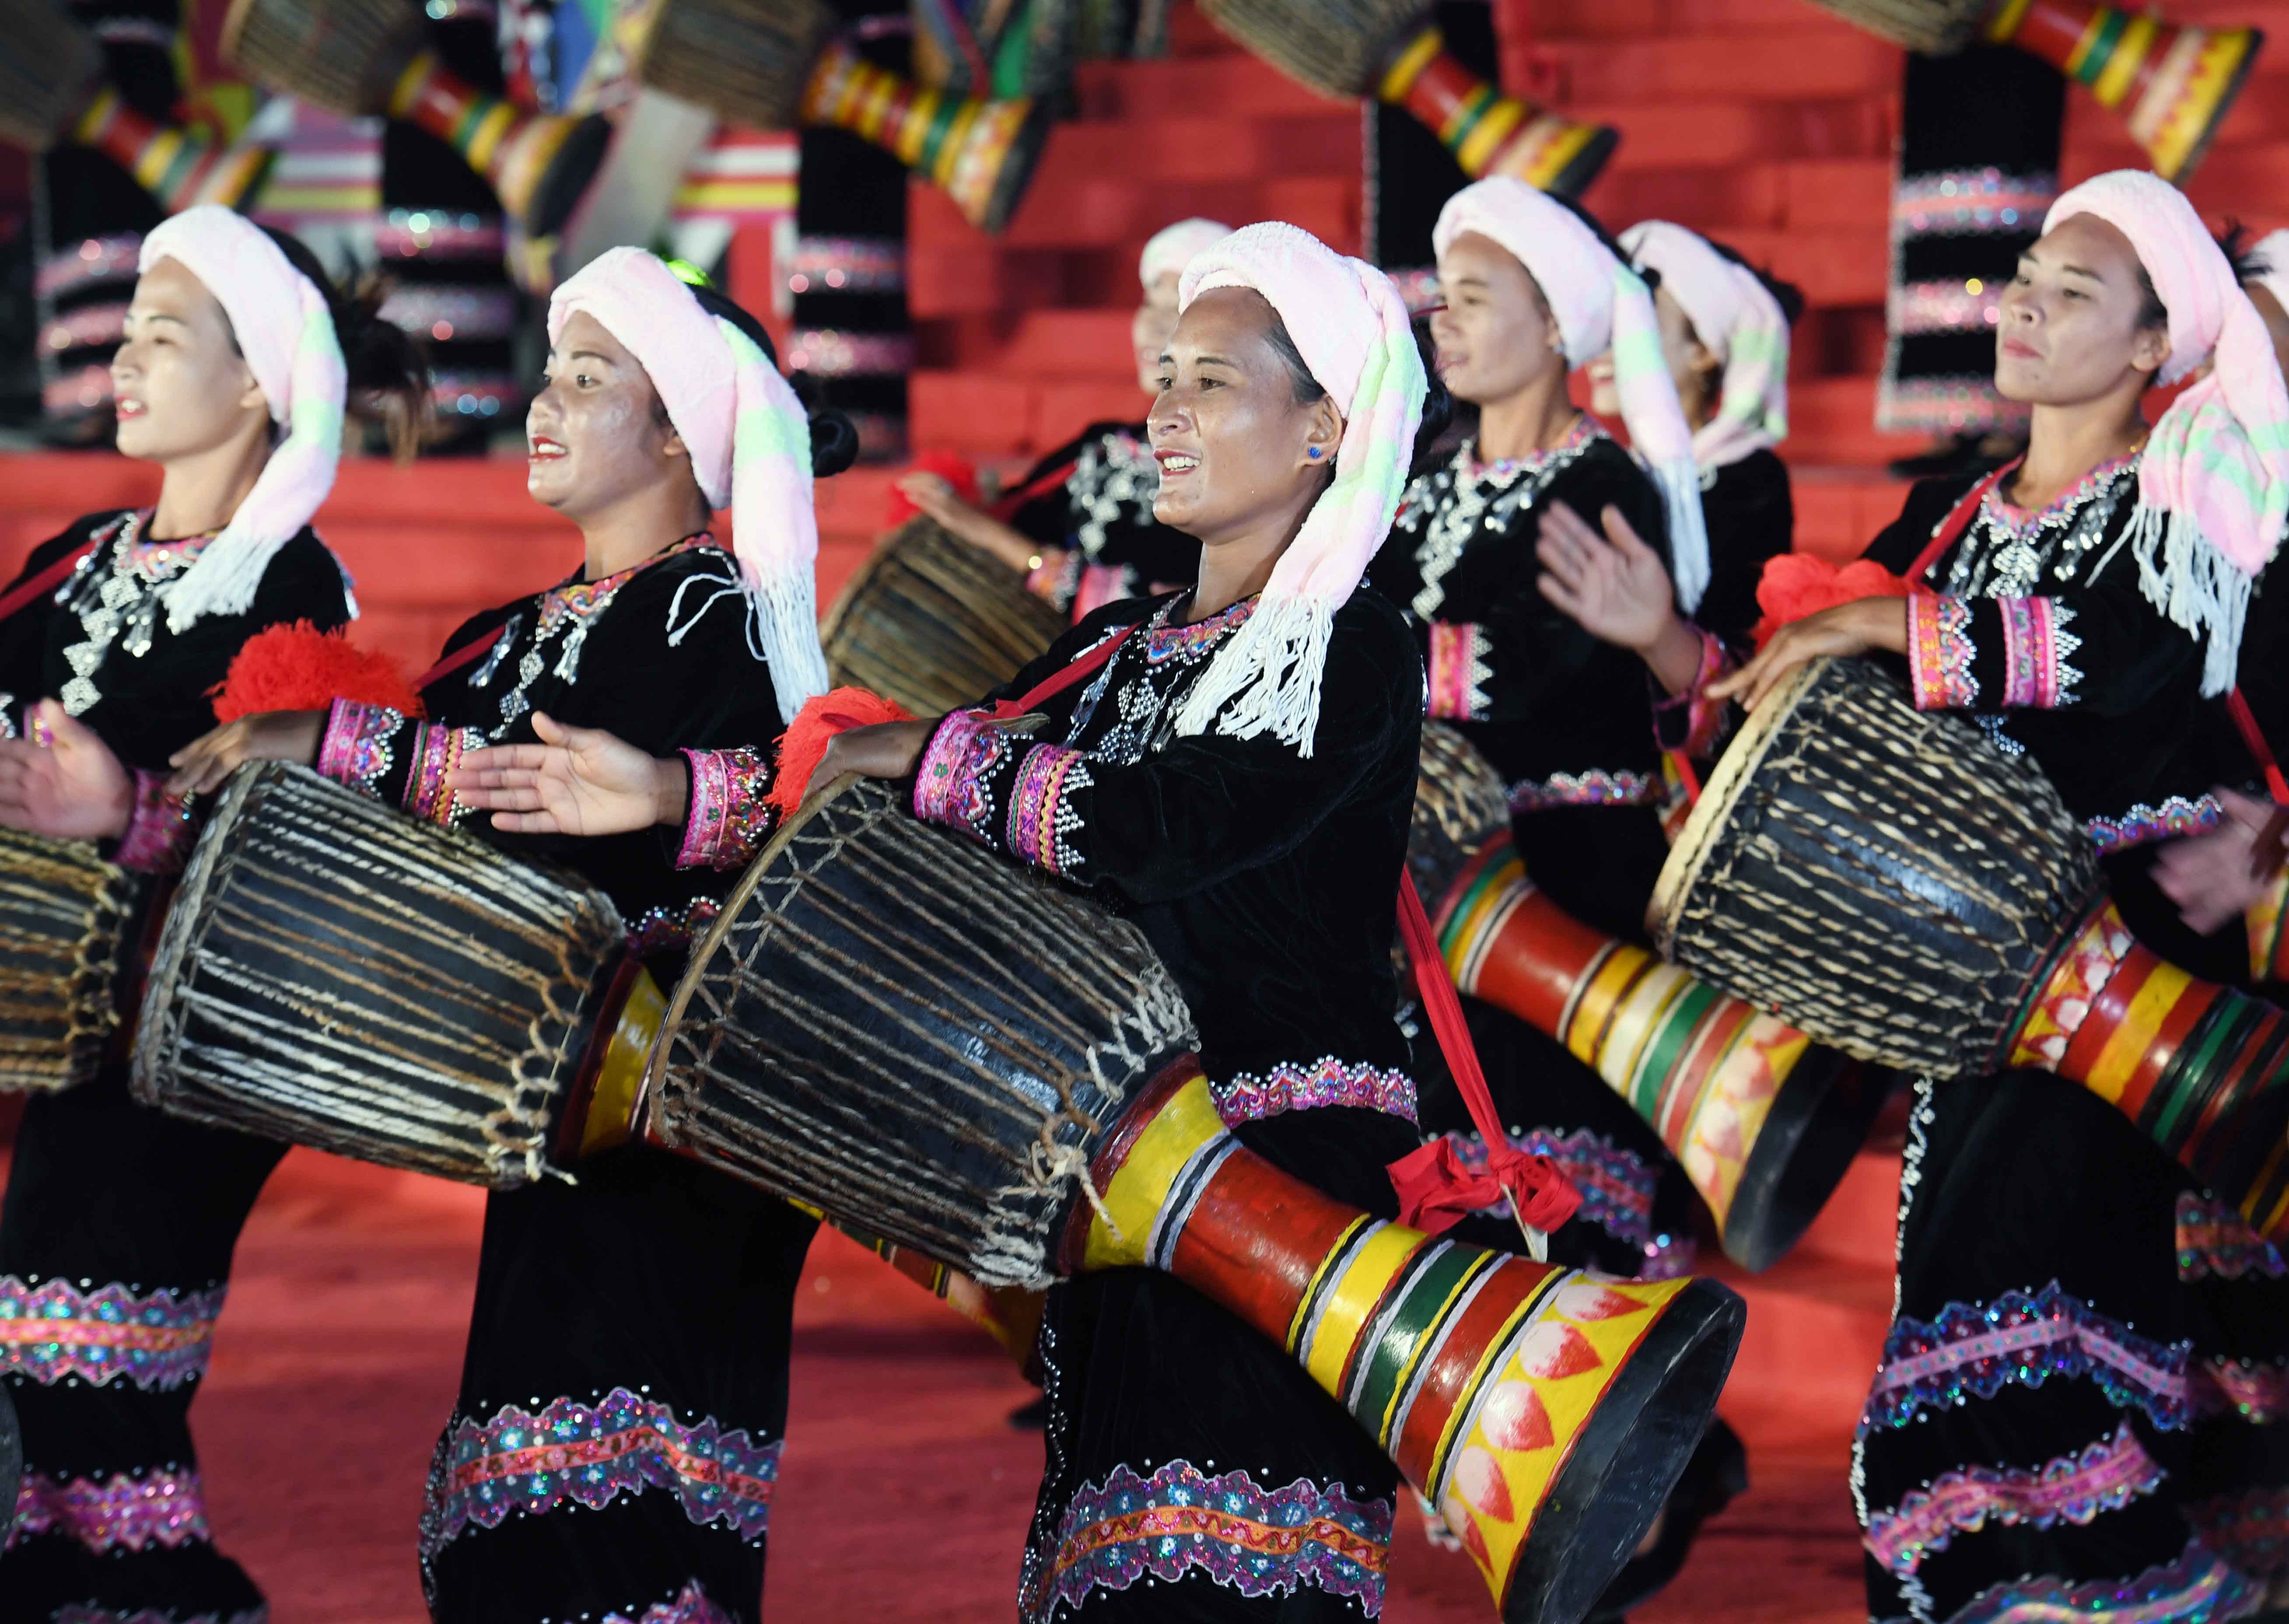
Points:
[(437, 751), (2035, 644), (728, 822), (357, 748), (1458, 671), (159, 829), (1100, 585), (1043, 817), (1691, 723), (1940, 652), (953, 763)]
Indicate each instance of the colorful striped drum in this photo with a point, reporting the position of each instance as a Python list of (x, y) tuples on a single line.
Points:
[(539, 164), (1489, 133), (1889, 882)]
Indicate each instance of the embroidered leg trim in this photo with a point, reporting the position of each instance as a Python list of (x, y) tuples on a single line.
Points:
[(2197, 1588), (160, 1509), (2251, 1530), (690, 1606), (574, 1454), (2214, 1239), (56, 1333), (1179, 1522), (2074, 1488)]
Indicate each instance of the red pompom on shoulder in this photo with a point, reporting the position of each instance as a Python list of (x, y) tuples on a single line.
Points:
[(951, 466), (1796, 584), (297, 667), (803, 746)]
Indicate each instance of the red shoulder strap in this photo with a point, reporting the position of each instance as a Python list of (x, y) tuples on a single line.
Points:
[(1060, 680), (46, 581), (1047, 480), (1957, 520), (454, 661)]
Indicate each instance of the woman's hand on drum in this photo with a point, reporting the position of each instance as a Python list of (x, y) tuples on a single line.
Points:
[(63, 782), (887, 749), (1858, 628), (581, 780), (1616, 588), (2212, 877), (271, 735), (936, 496)]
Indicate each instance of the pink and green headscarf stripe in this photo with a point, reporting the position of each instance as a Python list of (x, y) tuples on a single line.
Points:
[(285, 331), (1351, 326), (1739, 321), (2214, 480), (748, 436), (1599, 303)]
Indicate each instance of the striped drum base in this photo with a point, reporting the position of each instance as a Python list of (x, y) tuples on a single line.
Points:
[(1490, 134), (1546, 1412), (539, 164)]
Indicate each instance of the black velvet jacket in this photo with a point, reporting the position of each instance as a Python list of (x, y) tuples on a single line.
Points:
[(1102, 516), (657, 655), (105, 649), (1265, 879), (1750, 516)]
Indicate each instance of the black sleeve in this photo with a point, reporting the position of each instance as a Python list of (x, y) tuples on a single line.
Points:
[(1897, 545), (1750, 513), (1046, 518), (24, 634)]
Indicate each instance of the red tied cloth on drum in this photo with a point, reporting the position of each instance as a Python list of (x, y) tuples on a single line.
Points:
[(1436, 1188), (297, 667), (803, 746)]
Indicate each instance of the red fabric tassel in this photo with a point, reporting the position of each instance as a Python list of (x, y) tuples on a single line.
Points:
[(957, 470), (803, 746), (1436, 1188), (1796, 584), (297, 667)]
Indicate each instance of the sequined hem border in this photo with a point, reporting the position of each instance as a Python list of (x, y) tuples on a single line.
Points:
[(690, 1606), (2251, 1530), (56, 1332), (2143, 825), (1594, 788), (2074, 1488), (160, 1509), (1180, 1522), (1250, 1096), (2197, 1588)]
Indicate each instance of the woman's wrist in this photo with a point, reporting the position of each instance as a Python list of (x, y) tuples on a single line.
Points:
[(1674, 654), (671, 791)]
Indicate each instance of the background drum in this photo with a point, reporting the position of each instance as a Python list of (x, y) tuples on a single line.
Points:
[(897, 1027), (66, 916), (1764, 1123), (1887, 880)]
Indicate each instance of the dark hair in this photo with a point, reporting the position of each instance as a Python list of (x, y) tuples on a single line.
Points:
[(1787, 295), (2247, 265), (1438, 405), (2152, 312), (388, 368), (833, 438)]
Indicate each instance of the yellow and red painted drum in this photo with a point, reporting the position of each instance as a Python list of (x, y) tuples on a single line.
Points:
[(1490, 134), (1763, 1122), (894, 1026), (180, 168), (2174, 82), (1893, 884), (539, 164)]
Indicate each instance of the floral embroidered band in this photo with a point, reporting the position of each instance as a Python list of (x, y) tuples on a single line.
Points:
[(54, 1331), (2250, 1529), (438, 751), (1595, 788), (574, 1454), (1041, 807), (1973, 1350), (2074, 1488), (726, 822), (1250, 1096), (159, 1510), (1459, 651), (2035, 644), (355, 750), (1940, 652), (2198, 1588), (1180, 1522)]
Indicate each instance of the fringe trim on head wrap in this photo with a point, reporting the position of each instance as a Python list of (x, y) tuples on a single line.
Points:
[(1738, 320), (1352, 327), (749, 439), (2213, 479), (285, 331), (1599, 303)]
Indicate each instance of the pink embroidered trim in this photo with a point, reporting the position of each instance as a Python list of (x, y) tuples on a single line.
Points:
[(2259, 1393), (2033, 674), (159, 829), (1458, 671), (1251, 1096), (1100, 585), (690, 1606), (726, 822), (2074, 1488), (950, 764), (1595, 788), (53, 1332), (1040, 810), (355, 749), (2214, 1239), (437, 750), (2251, 1530), (1940, 651), (1704, 718), (162, 1509)]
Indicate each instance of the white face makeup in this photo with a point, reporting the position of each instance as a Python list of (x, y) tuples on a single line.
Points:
[(179, 384), (592, 434)]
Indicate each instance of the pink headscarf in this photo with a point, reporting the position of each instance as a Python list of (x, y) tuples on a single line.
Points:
[(286, 333), (749, 439), (1172, 247), (1599, 304), (1739, 322), (2214, 481), (1350, 327)]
